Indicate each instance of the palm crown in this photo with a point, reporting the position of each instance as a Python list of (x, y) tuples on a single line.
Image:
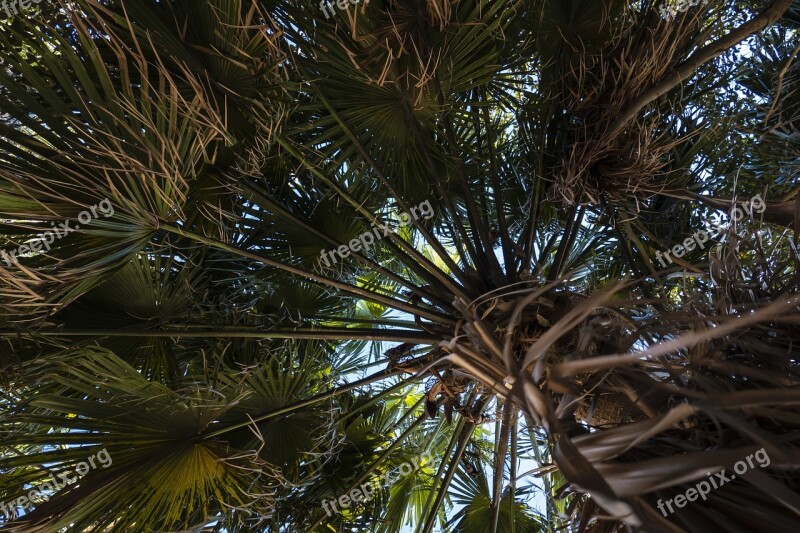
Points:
[(226, 331)]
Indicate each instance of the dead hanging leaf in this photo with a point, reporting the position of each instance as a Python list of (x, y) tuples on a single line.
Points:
[(439, 12), (448, 411), (431, 408)]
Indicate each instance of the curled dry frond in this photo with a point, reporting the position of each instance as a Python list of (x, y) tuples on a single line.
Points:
[(680, 391), (600, 165)]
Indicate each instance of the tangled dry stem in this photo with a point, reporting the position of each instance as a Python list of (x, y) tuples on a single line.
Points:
[(601, 164)]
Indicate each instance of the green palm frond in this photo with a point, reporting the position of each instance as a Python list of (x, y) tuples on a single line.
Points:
[(472, 491), (161, 466)]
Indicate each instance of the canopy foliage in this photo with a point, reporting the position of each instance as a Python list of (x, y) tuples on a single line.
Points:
[(216, 320)]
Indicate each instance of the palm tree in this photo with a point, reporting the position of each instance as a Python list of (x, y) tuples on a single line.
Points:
[(215, 318)]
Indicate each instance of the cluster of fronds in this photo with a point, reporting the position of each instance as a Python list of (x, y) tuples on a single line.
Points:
[(238, 382), (604, 163)]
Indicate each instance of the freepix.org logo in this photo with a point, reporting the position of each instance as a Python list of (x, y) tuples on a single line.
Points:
[(325, 5), (365, 491), (10, 6), (45, 239), (49, 487), (704, 487), (681, 6), (367, 239), (702, 236)]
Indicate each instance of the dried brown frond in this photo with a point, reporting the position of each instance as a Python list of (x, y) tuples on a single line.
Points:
[(708, 389), (439, 12), (617, 167)]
